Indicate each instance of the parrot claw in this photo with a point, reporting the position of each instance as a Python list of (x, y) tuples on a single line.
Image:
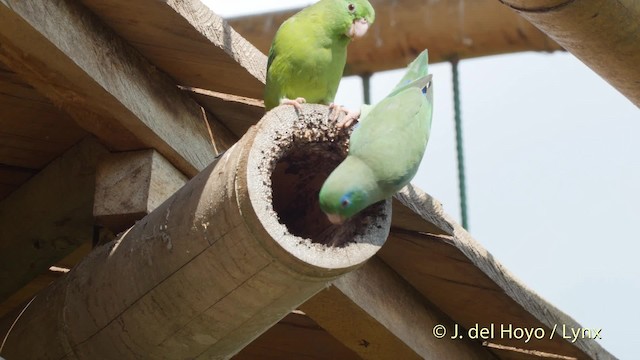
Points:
[(296, 103), (349, 118)]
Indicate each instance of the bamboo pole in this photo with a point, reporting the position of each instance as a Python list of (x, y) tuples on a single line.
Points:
[(603, 34), (218, 263)]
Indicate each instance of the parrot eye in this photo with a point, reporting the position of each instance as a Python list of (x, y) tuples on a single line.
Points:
[(345, 200), (351, 8)]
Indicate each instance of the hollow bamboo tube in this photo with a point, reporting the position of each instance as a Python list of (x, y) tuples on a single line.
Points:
[(227, 256)]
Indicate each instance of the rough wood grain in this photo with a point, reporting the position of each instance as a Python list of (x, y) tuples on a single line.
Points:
[(215, 265), (470, 286), (296, 337), (18, 299), (132, 184), (402, 29), (603, 34), (235, 112), (33, 132), (11, 178), (378, 315), (48, 217), (189, 42), (65, 52)]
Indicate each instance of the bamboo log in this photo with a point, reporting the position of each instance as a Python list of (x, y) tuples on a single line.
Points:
[(603, 34), (218, 263)]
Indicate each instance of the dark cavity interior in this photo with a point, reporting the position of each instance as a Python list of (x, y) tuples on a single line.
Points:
[(296, 182)]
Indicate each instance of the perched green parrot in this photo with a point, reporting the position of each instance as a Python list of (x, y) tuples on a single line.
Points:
[(309, 52), (385, 149)]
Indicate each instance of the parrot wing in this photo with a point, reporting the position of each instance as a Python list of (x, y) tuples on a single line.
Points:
[(393, 138)]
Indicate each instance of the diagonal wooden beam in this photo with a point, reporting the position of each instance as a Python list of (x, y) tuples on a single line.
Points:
[(465, 281), (603, 34), (189, 42), (378, 315), (108, 87), (48, 217)]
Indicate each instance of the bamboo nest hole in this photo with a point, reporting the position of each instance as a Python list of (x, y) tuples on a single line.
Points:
[(301, 157)]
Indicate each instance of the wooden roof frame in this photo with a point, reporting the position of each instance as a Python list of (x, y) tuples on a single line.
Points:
[(125, 92)]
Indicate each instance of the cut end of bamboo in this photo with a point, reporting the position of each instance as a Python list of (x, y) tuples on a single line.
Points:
[(292, 155)]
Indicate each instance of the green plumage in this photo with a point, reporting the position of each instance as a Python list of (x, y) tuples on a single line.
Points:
[(309, 51), (385, 149)]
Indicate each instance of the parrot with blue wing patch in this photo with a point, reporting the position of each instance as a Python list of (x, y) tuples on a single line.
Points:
[(385, 149), (309, 53)]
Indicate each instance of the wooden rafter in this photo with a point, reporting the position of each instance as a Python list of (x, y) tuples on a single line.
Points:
[(605, 35), (66, 53), (402, 29)]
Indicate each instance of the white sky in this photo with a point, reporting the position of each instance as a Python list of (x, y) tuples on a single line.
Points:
[(552, 175)]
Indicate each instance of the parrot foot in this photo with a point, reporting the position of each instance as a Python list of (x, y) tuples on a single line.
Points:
[(296, 103), (349, 118)]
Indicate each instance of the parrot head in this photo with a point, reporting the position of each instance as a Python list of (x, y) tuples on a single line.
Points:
[(339, 206), (347, 191), (360, 15)]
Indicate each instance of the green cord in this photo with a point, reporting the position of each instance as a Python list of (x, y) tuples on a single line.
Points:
[(366, 87), (458, 121)]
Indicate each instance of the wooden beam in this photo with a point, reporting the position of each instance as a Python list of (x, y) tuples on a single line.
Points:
[(216, 264), (189, 42), (467, 28), (130, 185), (378, 315), (11, 178), (48, 217), (462, 279), (236, 112), (66, 53), (34, 131), (605, 35), (296, 337), (18, 299)]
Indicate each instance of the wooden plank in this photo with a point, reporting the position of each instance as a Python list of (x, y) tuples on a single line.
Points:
[(405, 218), (605, 35), (469, 285), (296, 337), (189, 42), (378, 315), (401, 30), (11, 178), (41, 281), (132, 184), (511, 353), (236, 112), (33, 131), (48, 217), (27, 292), (111, 90)]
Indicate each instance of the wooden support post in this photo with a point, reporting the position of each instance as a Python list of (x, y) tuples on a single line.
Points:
[(605, 35), (48, 217), (218, 263), (131, 185), (378, 315)]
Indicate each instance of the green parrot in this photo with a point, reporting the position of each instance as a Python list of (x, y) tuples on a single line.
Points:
[(309, 52), (385, 149)]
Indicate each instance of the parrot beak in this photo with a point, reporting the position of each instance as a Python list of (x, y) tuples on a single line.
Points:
[(335, 219), (358, 28)]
